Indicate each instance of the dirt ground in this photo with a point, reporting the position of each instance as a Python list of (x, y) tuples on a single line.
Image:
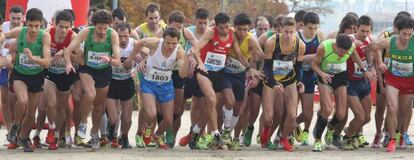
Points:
[(253, 152)]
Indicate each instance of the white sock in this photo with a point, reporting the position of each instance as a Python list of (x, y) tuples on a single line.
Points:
[(52, 126), (196, 129), (216, 132), (233, 122), (37, 133), (228, 114)]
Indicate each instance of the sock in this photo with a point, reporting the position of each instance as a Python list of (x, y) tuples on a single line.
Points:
[(196, 129), (228, 114), (216, 132), (233, 122), (52, 126), (306, 130), (37, 133), (334, 121), (320, 126)]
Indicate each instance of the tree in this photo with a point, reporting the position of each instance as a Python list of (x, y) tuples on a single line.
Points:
[(255, 8), (318, 6)]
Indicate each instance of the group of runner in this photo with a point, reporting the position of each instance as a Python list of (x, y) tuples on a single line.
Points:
[(228, 70)]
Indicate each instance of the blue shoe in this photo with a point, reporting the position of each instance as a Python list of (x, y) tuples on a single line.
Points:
[(407, 139)]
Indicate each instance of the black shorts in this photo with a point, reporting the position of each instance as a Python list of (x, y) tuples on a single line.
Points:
[(121, 89), (236, 82), (63, 81), (190, 85), (102, 77), (339, 79), (359, 88), (216, 79), (258, 89), (34, 83), (178, 82)]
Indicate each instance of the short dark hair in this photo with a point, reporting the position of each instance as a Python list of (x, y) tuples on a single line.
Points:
[(242, 19), (365, 20), (343, 41), (299, 15), (71, 12), (269, 19), (123, 26), (34, 14), (64, 16), (16, 9), (347, 22), (102, 16), (151, 7), (311, 17), (352, 14), (405, 23), (221, 18), (288, 21), (405, 13), (202, 13), (398, 17), (92, 11), (118, 13), (176, 16), (172, 32), (277, 21)]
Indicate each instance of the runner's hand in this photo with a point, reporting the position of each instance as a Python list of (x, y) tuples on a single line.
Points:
[(141, 67), (69, 68), (301, 87), (368, 75), (326, 78), (28, 53), (382, 67), (278, 88), (106, 59), (58, 55), (201, 68), (127, 64), (255, 73)]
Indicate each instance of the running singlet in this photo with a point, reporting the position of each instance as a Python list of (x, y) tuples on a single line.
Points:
[(401, 61), (233, 65), (159, 68), (145, 32), (120, 73), (23, 64), (283, 64), (215, 52), (355, 72), (57, 66), (94, 50), (311, 48), (331, 62)]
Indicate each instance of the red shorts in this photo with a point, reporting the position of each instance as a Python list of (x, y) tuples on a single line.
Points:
[(404, 84)]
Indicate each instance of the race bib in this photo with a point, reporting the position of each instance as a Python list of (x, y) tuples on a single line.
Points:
[(214, 61), (282, 68), (120, 73), (25, 62), (95, 58), (159, 76), (335, 68), (306, 65), (401, 69), (387, 61), (57, 66), (357, 70), (234, 66)]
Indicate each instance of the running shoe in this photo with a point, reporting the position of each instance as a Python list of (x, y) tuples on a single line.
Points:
[(160, 142), (247, 139), (386, 140), (202, 143), (235, 145), (337, 141), (104, 141), (377, 141), (12, 135), (402, 144), (12, 146), (305, 139), (36, 142), (82, 130), (264, 139), (298, 134), (170, 138), (53, 146), (50, 138), (114, 143), (407, 139), (152, 143), (215, 142), (329, 137), (25, 143), (68, 140), (347, 144), (284, 142), (79, 141), (355, 142), (397, 137), (147, 135), (193, 141), (185, 140), (226, 136), (139, 141), (362, 141), (95, 142), (391, 146), (125, 143), (317, 146)]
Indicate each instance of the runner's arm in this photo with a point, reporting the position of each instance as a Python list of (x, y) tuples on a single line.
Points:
[(45, 61), (201, 43), (116, 55), (182, 61), (316, 63), (268, 62), (75, 44)]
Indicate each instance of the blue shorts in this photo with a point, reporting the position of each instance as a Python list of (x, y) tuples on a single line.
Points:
[(163, 92), (359, 88), (236, 82), (309, 81), (4, 77)]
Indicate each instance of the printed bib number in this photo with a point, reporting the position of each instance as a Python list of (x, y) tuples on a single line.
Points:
[(25, 62), (95, 58), (120, 73), (281, 68), (159, 76), (334, 68), (57, 66), (357, 70), (214, 61), (401, 69), (234, 66)]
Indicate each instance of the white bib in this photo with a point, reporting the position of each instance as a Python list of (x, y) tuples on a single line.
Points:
[(214, 61), (357, 69), (95, 60), (233, 66), (120, 73), (25, 62), (335, 68), (282, 68), (401, 69), (57, 66), (159, 76)]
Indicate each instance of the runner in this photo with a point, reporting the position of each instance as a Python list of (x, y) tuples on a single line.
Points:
[(398, 73), (312, 37), (283, 67), (156, 84), (101, 51), (299, 20), (33, 54), (261, 26), (330, 65)]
